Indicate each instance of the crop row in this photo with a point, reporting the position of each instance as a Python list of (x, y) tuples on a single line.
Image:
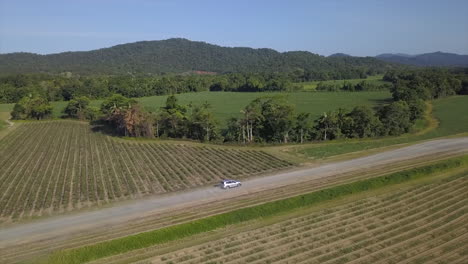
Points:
[(155, 221), (424, 223), (63, 165), (145, 240)]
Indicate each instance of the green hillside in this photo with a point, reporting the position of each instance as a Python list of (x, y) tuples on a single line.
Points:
[(182, 55)]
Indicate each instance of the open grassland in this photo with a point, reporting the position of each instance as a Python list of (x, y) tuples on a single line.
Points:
[(163, 235), (450, 115), (311, 86), (57, 166), (229, 104), (424, 223)]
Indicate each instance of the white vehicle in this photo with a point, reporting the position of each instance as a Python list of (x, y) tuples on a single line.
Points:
[(226, 184)]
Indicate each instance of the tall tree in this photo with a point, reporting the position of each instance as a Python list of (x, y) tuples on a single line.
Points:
[(32, 108), (202, 123), (279, 118), (327, 126), (303, 126), (77, 108), (396, 118), (251, 122), (362, 123)]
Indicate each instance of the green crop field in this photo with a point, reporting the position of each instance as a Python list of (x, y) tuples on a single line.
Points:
[(311, 86), (229, 104), (57, 166), (450, 112)]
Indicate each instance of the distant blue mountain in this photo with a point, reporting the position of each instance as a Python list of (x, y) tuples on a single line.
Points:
[(427, 59)]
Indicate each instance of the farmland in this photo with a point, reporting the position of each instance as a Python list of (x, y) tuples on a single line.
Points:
[(295, 132), (399, 205), (59, 166), (33, 250), (229, 104), (423, 223), (78, 168)]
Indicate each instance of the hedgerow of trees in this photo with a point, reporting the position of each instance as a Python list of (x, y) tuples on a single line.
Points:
[(349, 87), (265, 119)]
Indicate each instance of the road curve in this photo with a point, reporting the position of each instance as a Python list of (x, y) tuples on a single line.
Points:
[(62, 225)]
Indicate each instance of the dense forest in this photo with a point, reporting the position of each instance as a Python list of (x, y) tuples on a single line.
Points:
[(182, 55), (265, 119)]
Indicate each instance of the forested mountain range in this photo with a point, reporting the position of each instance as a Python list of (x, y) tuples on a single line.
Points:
[(427, 59), (340, 55), (181, 55)]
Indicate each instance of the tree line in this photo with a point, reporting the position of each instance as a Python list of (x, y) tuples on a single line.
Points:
[(265, 119), (173, 120), (350, 87), (427, 84), (64, 87)]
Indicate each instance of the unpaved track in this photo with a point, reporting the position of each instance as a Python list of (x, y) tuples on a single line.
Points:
[(64, 225)]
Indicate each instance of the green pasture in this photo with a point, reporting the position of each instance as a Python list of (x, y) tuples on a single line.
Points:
[(229, 104), (450, 112)]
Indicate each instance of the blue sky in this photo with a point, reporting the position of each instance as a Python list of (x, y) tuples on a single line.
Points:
[(356, 27)]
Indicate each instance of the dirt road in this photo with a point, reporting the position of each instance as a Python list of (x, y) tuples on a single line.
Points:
[(63, 225)]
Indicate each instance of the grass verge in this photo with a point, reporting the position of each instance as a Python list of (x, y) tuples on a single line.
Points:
[(155, 237)]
